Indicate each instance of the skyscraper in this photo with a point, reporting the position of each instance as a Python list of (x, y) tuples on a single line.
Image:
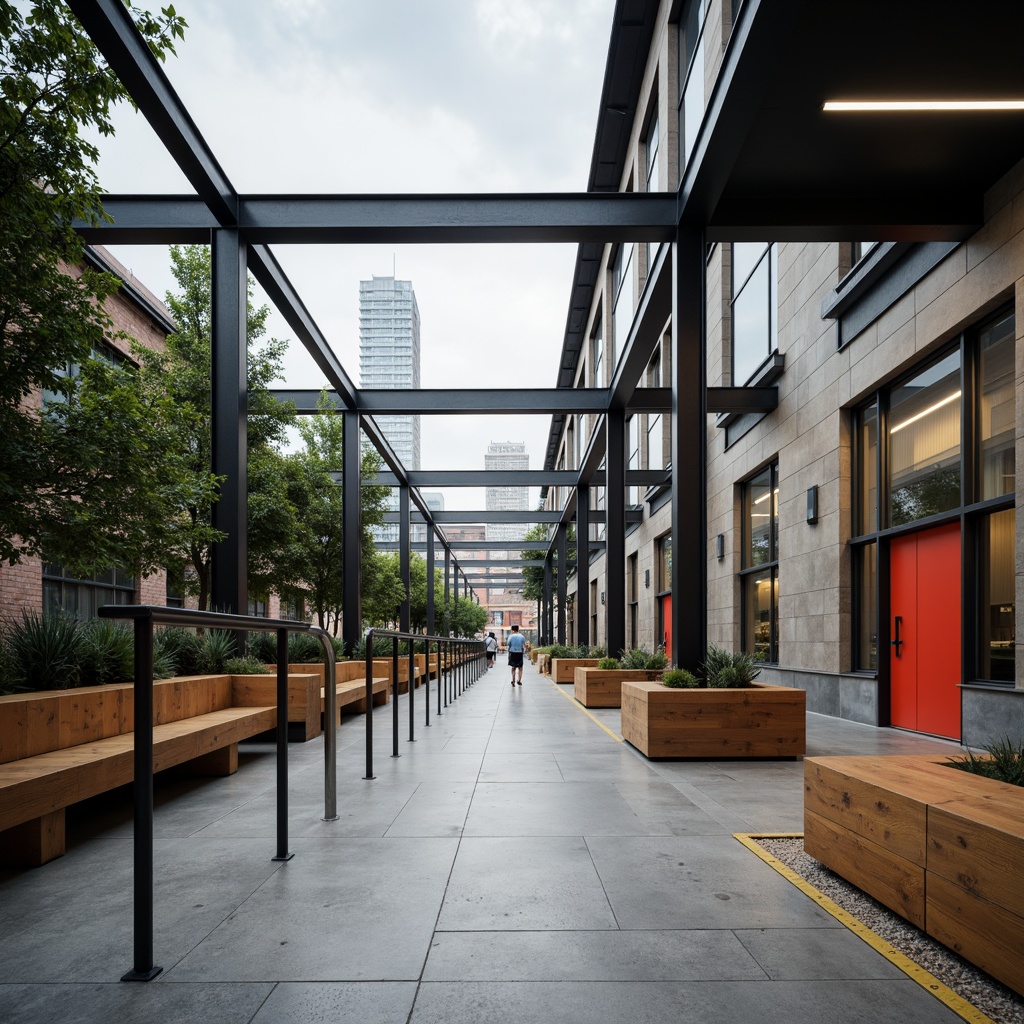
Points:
[(389, 358), (389, 355), (507, 456)]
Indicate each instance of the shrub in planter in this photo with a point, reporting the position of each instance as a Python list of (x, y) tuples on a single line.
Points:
[(640, 658), (1005, 762), (181, 648), (45, 653), (218, 645), (561, 651), (680, 679), (608, 663), (245, 667), (727, 670), (108, 652)]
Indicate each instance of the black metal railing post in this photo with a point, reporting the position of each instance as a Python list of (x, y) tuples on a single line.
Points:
[(282, 746), (369, 705), (143, 968), (394, 697), (412, 688)]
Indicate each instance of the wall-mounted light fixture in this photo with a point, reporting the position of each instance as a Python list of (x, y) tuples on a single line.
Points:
[(602, 597), (812, 504), (720, 546), (647, 579)]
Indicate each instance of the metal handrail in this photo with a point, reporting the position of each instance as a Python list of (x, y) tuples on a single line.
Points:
[(464, 676), (145, 617)]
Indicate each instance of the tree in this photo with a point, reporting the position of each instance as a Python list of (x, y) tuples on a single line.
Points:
[(319, 563), (184, 372), (533, 575), (54, 84), (464, 617), (383, 592)]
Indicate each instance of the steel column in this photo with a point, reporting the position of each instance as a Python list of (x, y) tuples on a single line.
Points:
[(351, 614), (583, 565), (689, 448), (430, 593), (229, 591), (546, 601), (561, 582), (615, 532), (403, 556)]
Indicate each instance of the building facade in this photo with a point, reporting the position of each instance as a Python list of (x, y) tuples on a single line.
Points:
[(862, 534), (506, 457)]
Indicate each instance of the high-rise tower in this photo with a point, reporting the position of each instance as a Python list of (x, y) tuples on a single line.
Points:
[(507, 456), (389, 358)]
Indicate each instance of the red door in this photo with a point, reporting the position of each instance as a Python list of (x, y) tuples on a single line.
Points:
[(666, 624), (925, 631)]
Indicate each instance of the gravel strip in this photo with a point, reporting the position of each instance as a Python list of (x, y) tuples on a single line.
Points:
[(983, 992)]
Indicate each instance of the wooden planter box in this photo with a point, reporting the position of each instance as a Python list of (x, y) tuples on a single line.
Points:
[(563, 670), (602, 687), (941, 847), (756, 721)]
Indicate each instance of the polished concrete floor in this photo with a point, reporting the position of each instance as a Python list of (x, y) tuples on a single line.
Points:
[(518, 862)]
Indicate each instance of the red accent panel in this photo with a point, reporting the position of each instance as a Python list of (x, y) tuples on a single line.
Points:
[(938, 603), (903, 604)]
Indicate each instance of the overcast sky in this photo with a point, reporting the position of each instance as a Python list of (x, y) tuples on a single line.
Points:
[(338, 96)]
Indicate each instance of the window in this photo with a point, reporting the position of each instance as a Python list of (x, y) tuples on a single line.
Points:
[(655, 434), (651, 176), (923, 450), (634, 600), (759, 577), (691, 78), (597, 352), (622, 300), (633, 459), (755, 329), (83, 596), (593, 613)]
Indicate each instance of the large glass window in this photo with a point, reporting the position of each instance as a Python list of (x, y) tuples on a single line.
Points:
[(651, 176), (755, 334), (633, 581), (622, 300), (996, 416), (83, 596), (866, 447), (924, 443), (633, 461), (655, 432), (759, 580), (865, 567), (996, 599), (597, 352), (691, 78)]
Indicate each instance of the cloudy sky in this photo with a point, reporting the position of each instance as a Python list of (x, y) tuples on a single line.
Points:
[(339, 96)]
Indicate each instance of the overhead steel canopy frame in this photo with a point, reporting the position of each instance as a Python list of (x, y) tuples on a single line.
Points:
[(765, 166)]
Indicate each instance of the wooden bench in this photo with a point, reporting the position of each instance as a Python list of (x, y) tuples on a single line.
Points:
[(62, 746), (384, 666), (941, 847)]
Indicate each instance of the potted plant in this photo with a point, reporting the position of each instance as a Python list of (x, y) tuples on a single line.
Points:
[(601, 686), (718, 712)]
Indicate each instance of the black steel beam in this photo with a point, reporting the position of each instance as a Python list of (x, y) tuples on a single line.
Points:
[(351, 511), (689, 617), (649, 400), (229, 405), (753, 399), (283, 295), (633, 515), (369, 219), (479, 402), (646, 331), (583, 547), (152, 220), (563, 575), (615, 533), (479, 478), (111, 28), (480, 545)]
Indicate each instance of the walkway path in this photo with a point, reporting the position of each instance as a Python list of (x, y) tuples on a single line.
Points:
[(516, 864)]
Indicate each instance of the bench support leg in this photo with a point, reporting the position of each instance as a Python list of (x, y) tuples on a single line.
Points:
[(223, 761), (33, 842)]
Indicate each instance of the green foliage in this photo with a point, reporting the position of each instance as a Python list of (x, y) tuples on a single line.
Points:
[(608, 663), (561, 651), (680, 679), (218, 646), (182, 373), (245, 667), (45, 653), (8, 682), (108, 652), (262, 647), (725, 669), (641, 658), (1005, 762), (56, 93), (181, 649)]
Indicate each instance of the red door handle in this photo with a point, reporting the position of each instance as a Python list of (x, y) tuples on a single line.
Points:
[(897, 642)]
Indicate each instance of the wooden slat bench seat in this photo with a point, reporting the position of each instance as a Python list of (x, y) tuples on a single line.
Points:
[(941, 847), (59, 747)]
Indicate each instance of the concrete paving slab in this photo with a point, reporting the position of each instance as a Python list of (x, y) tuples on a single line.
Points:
[(329, 1003), (590, 956), (524, 884), (803, 954)]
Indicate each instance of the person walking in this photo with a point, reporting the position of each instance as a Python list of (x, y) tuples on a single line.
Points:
[(491, 646), (516, 646)]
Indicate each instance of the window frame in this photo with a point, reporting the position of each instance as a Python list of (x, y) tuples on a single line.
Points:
[(748, 571)]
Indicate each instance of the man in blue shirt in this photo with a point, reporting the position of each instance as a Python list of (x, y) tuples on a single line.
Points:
[(516, 646)]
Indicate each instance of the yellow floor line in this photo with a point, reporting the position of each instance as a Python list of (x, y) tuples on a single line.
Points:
[(914, 971), (577, 704)]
